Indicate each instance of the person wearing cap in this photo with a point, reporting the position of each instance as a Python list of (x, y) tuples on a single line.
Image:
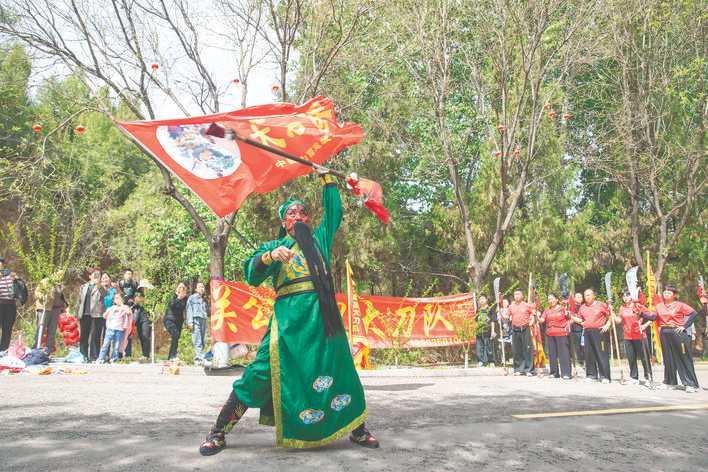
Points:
[(596, 318), (674, 318), (303, 378), (632, 315), (8, 305)]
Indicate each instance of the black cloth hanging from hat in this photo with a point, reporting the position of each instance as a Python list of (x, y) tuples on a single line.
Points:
[(321, 279)]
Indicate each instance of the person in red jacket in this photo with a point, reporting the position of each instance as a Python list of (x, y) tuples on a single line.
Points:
[(673, 318), (521, 315), (633, 315), (596, 317), (557, 336)]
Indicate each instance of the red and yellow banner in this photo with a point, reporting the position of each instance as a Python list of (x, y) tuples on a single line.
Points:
[(240, 314)]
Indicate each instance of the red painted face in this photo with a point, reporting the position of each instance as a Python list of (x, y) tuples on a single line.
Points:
[(294, 214)]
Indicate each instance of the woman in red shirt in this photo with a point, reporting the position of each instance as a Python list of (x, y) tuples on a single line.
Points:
[(673, 317), (633, 315), (557, 330)]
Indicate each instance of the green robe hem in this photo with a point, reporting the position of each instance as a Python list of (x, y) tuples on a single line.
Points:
[(281, 441)]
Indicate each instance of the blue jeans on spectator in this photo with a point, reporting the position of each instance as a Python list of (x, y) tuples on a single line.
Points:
[(485, 354), (199, 327), (115, 336)]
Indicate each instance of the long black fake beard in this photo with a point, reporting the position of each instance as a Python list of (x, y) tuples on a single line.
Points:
[(321, 279)]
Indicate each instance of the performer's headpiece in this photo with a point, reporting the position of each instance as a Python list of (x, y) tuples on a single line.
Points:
[(284, 208)]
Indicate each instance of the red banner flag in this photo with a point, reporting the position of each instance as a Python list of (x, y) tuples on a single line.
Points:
[(223, 172), (241, 313)]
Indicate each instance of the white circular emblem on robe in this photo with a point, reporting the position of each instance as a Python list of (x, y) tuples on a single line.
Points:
[(207, 157)]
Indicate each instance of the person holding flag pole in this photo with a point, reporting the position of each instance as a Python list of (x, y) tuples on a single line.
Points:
[(303, 378), (635, 329), (631, 314)]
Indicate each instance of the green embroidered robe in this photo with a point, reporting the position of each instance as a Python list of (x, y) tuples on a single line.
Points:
[(304, 382)]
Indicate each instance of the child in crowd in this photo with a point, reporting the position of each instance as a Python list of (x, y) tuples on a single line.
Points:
[(118, 319)]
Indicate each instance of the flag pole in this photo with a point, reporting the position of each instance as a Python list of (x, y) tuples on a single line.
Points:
[(227, 133)]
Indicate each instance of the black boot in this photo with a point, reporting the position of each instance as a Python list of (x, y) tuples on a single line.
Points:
[(215, 443), (364, 438), (230, 414)]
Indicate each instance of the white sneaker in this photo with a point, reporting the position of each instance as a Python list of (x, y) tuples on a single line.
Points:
[(691, 390), (590, 379), (100, 361), (664, 386), (633, 382), (479, 364), (605, 381)]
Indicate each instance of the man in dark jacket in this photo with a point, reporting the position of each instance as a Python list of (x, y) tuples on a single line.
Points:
[(90, 314), (8, 306), (128, 287), (174, 317), (143, 323)]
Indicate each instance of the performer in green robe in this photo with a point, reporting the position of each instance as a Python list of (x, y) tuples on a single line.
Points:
[(303, 378)]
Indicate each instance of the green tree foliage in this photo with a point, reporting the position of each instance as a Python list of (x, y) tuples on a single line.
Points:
[(574, 212)]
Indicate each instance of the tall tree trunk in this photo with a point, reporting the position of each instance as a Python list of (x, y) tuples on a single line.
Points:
[(217, 251)]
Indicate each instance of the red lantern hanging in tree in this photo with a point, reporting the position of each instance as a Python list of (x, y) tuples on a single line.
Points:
[(501, 128), (275, 88), (517, 151), (547, 106), (37, 128), (497, 154), (154, 66), (552, 115), (236, 82), (566, 116), (80, 130)]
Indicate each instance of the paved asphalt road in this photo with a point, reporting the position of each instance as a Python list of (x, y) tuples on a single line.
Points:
[(132, 418)]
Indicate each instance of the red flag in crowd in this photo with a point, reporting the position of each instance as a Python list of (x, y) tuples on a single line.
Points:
[(223, 172)]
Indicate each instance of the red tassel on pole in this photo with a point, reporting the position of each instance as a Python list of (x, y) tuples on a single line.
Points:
[(379, 210)]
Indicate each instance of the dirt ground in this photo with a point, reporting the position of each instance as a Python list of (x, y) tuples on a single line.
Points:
[(133, 418)]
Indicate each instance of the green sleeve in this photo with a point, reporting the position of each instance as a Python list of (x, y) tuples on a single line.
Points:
[(332, 203), (254, 271)]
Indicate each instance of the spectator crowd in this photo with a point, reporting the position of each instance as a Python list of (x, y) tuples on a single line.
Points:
[(110, 315)]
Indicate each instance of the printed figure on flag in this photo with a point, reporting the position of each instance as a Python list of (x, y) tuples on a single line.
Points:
[(205, 156)]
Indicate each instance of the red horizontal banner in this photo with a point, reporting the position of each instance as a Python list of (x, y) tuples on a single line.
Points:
[(240, 314)]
